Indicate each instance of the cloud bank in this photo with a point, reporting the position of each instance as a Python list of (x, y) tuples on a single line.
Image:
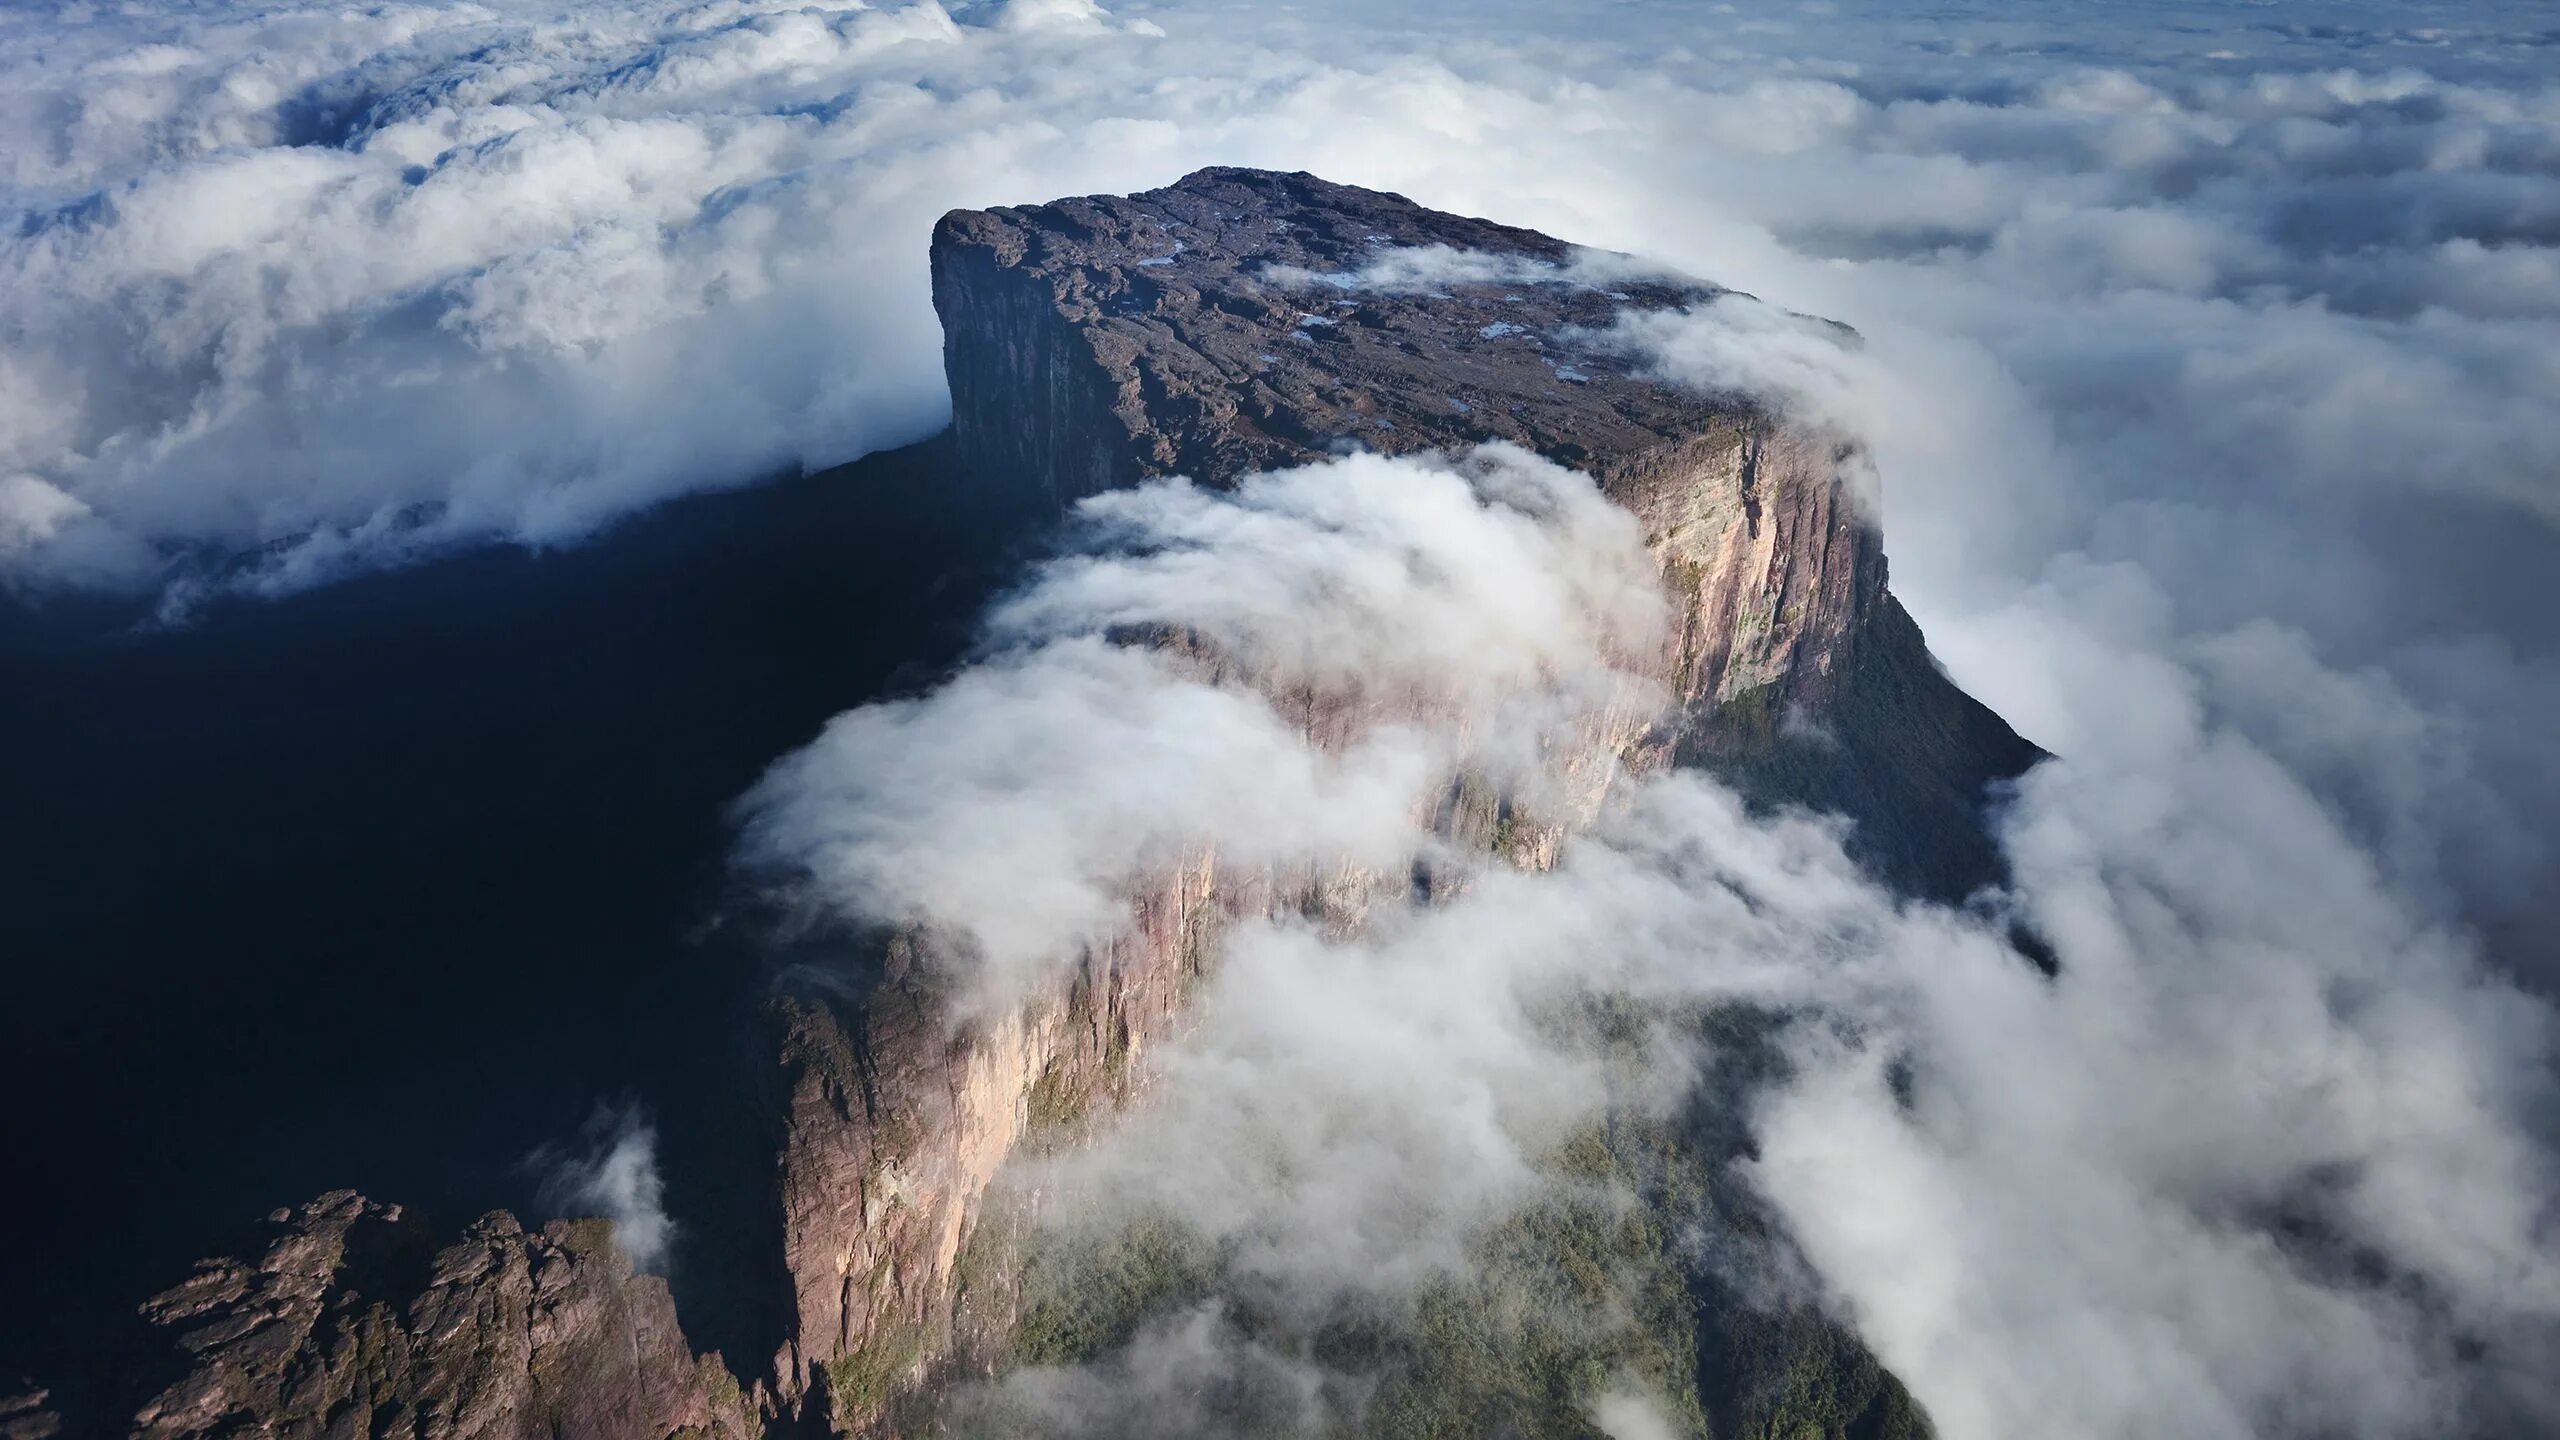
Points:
[(1422, 617), (294, 291), (2207, 366), (2266, 1157)]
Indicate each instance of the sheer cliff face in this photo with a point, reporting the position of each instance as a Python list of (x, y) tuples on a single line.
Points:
[(899, 1119), (904, 1108)]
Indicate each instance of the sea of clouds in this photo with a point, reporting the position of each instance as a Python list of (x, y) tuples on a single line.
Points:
[(2208, 365)]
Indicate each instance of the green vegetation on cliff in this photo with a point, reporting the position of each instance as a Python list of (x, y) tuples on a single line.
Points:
[(1613, 1282)]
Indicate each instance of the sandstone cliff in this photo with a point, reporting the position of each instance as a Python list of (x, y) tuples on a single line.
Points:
[(353, 1324), (902, 1111)]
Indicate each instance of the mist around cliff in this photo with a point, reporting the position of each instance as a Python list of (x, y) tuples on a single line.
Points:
[(1458, 617), (2206, 371), (2186, 320), (611, 1171), (2262, 1158)]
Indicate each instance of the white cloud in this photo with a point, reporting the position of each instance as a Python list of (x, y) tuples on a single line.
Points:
[(613, 1172), (1419, 616), (1627, 1415)]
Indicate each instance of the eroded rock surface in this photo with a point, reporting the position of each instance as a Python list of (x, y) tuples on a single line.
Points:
[(27, 1413), (353, 1324), (1243, 320), (903, 1110)]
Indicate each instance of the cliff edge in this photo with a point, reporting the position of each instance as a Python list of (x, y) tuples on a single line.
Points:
[(1240, 321)]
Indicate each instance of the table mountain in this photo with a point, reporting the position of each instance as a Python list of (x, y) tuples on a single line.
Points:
[(1232, 322)]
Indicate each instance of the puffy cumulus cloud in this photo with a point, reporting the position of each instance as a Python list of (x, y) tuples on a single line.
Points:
[(2272, 1143), (37, 516), (2263, 1158), (1630, 1415), (1493, 579), (330, 288), (1185, 1376), (1426, 269), (1350, 1113), (1422, 616), (1014, 802), (1049, 14), (297, 291), (1739, 343)]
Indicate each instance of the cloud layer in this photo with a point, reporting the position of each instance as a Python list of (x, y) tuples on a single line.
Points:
[(2266, 1157), (1424, 617), (2207, 365), (2236, 317)]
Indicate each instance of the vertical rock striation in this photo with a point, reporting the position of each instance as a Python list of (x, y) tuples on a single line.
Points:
[(903, 1105), (899, 1116)]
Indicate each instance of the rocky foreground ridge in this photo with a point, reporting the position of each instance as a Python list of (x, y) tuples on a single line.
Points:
[(1235, 321), (354, 1323)]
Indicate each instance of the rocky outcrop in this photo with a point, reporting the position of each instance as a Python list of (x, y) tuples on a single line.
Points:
[(353, 1324), (1239, 320), (1242, 320), (27, 1413)]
